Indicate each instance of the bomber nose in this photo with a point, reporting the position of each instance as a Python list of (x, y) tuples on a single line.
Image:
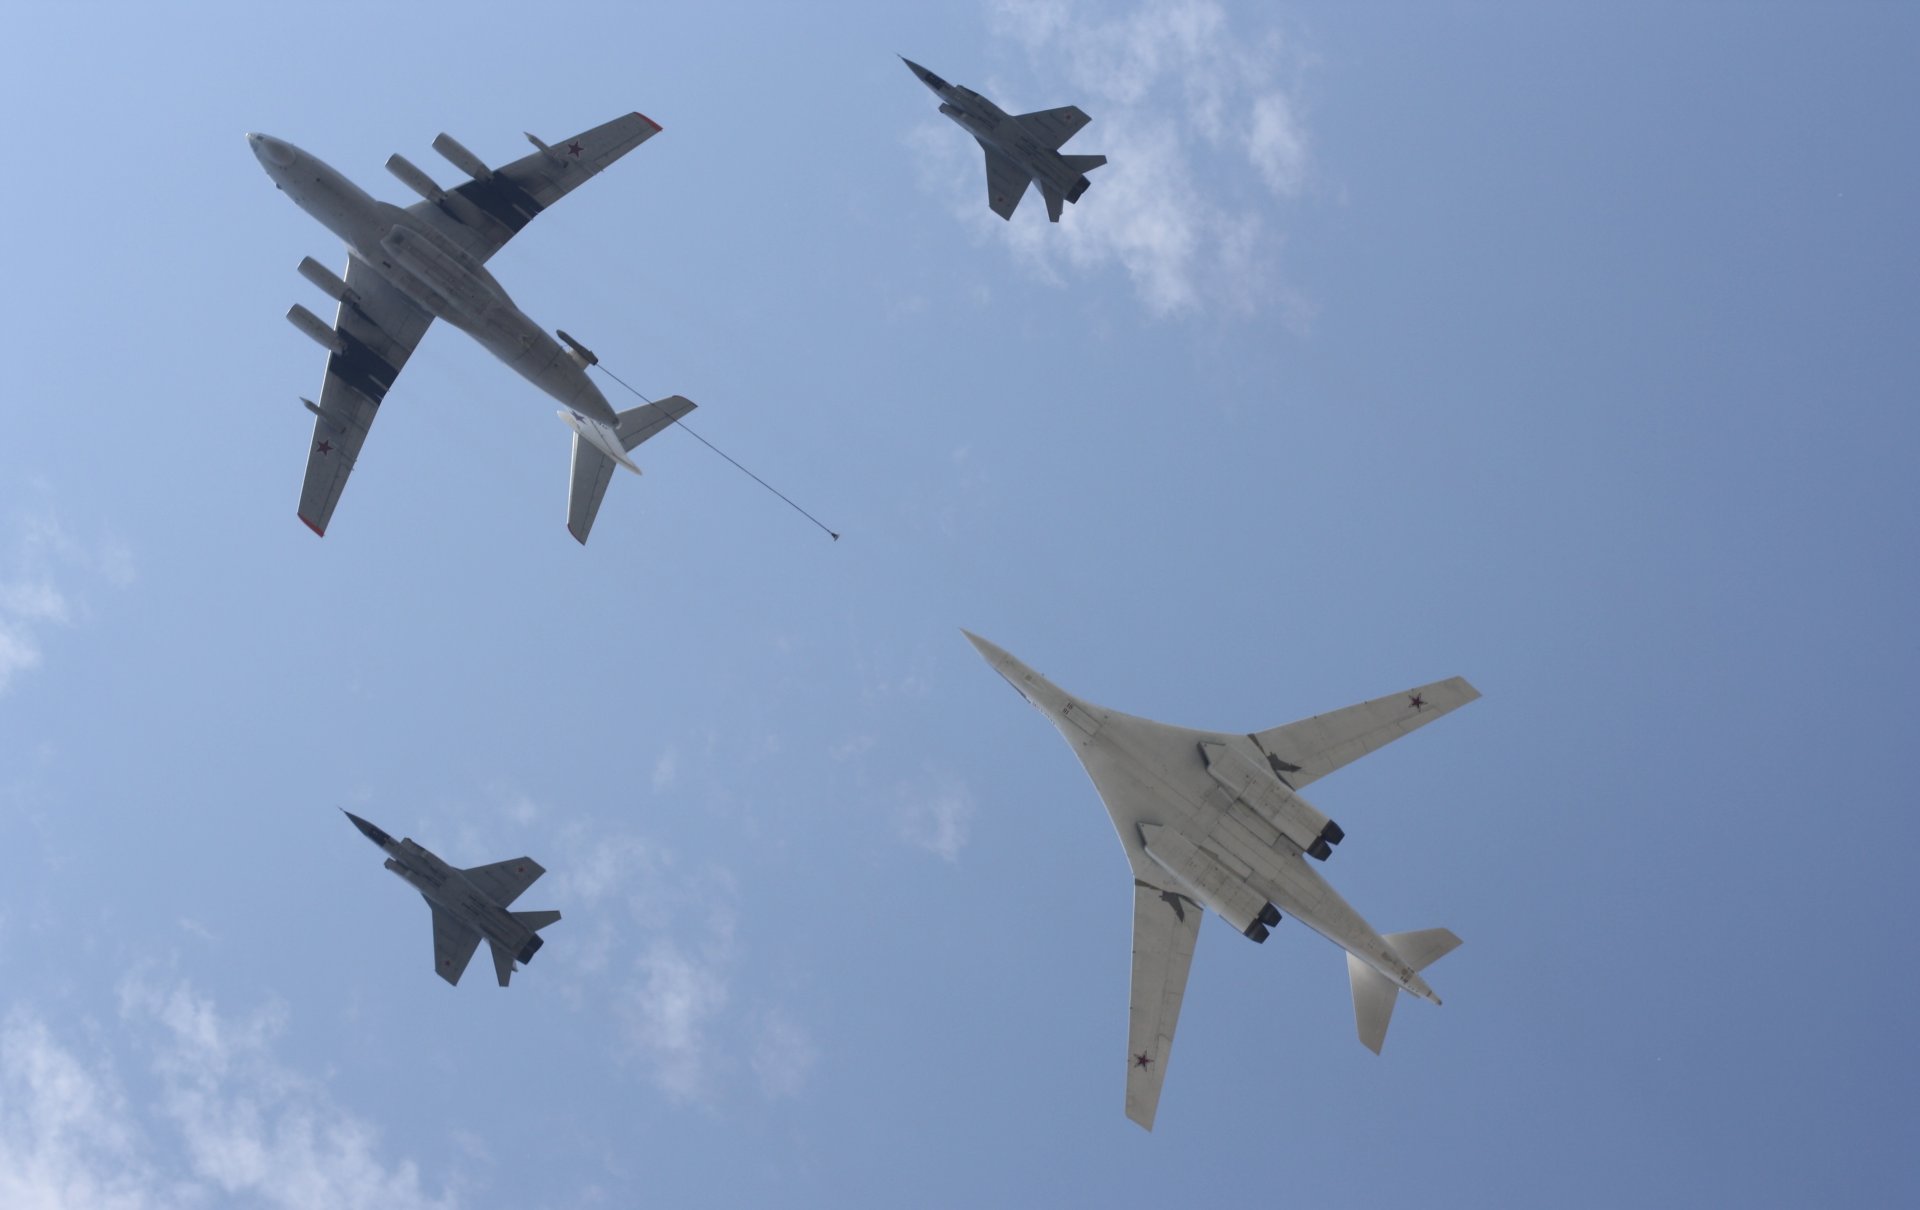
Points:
[(270, 150)]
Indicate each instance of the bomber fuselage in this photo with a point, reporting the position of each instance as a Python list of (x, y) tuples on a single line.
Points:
[(1204, 808)]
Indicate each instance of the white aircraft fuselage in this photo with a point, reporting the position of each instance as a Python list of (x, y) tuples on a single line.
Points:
[(1205, 808), (438, 277)]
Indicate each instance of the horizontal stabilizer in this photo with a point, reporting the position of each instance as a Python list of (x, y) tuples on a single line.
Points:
[(593, 469), (1423, 948), (1373, 998), (502, 963), (536, 920), (1083, 164)]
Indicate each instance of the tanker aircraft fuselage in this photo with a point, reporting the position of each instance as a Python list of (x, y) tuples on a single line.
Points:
[(435, 275)]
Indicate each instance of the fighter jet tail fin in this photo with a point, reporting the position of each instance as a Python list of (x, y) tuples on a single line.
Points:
[(502, 963), (1373, 999), (593, 469)]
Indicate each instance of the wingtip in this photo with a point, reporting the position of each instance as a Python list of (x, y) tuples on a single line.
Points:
[(657, 127), (310, 525)]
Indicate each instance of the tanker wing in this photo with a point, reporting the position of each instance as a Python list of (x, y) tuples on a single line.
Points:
[(374, 332)]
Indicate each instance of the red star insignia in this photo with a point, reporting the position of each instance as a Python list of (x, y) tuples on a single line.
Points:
[(573, 149), (325, 447), (1417, 702), (1142, 1060)]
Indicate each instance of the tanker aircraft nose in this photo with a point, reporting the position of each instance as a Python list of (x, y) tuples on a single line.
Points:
[(271, 151)]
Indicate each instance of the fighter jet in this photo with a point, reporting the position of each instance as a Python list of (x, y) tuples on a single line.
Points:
[(1020, 148), (1211, 820), (407, 267), (468, 904)]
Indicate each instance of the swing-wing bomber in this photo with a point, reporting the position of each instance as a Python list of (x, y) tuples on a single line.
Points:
[(1214, 821)]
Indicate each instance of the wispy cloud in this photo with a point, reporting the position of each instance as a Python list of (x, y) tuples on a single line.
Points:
[(36, 590), (937, 817), (662, 956), (783, 1056), (1203, 137), (230, 1123)]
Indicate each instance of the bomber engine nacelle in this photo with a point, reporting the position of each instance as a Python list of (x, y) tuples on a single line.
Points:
[(1302, 823), (1214, 882)]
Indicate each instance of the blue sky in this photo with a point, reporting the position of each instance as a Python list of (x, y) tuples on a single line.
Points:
[(1564, 349)]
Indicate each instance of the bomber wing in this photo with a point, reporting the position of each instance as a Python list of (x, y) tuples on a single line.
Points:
[(378, 328), (1308, 750), (1165, 926), (483, 213), (505, 881), (1052, 127), (453, 944), (1006, 182)]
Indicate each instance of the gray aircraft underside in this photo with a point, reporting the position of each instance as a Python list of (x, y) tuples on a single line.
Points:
[(406, 268), (1020, 148), (469, 906), (1214, 821)]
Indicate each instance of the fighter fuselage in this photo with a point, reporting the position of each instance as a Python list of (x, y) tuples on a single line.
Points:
[(1204, 808), (993, 125), (437, 276), (448, 888)]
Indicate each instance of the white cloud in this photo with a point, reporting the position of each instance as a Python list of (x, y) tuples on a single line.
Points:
[(31, 596), (665, 769), (670, 1009), (937, 818), (229, 1122), (783, 1056), (1201, 134)]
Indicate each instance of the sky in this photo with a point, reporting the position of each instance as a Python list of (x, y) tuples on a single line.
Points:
[(1563, 347)]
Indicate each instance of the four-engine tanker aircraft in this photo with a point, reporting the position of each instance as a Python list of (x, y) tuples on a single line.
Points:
[(468, 904), (1211, 820), (1020, 148), (405, 268)]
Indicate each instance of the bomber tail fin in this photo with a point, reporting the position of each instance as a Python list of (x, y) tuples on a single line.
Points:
[(1373, 998), (1374, 995), (593, 466)]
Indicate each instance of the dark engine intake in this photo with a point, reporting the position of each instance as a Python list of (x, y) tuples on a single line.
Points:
[(1322, 847)]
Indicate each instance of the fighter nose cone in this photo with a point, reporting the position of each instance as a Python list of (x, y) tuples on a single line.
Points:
[(368, 830), (270, 150)]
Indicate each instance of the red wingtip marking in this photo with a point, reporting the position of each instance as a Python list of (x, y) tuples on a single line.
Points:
[(310, 525), (657, 127)]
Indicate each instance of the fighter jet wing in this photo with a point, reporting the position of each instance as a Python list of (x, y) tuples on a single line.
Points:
[(482, 215), (505, 881), (1053, 127), (379, 328), (1165, 925), (1006, 182), (453, 944), (1310, 749)]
